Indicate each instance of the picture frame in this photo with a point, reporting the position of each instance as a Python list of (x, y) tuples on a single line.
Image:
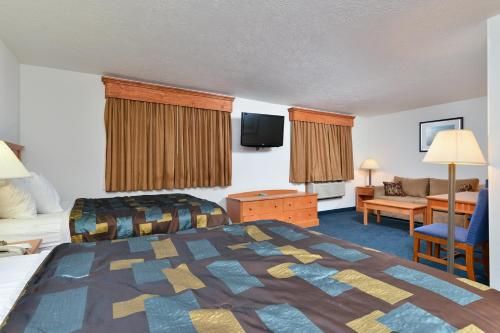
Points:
[(429, 129)]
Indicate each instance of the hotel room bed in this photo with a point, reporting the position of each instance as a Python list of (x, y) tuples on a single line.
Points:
[(122, 217), (261, 276)]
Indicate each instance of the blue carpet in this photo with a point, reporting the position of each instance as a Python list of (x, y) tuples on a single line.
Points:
[(390, 236)]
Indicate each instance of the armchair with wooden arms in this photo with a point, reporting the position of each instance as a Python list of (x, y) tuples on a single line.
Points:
[(466, 239)]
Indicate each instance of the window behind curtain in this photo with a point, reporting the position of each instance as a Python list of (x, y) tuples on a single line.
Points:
[(153, 146), (321, 146)]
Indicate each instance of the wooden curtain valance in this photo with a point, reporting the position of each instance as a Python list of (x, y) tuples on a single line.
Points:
[(313, 116), (155, 93)]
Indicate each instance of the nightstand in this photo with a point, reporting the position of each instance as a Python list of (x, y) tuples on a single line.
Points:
[(363, 193), (35, 245)]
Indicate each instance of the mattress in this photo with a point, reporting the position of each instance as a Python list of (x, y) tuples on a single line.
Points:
[(256, 277), (51, 228), (131, 216)]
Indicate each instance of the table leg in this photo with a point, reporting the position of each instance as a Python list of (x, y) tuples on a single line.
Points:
[(365, 216), (428, 214), (466, 221), (412, 221), (378, 216), (428, 248)]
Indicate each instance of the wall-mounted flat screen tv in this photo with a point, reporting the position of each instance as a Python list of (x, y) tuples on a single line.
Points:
[(261, 130)]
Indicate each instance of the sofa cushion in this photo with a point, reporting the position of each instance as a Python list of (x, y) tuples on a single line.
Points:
[(415, 187), (393, 189), (440, 186)]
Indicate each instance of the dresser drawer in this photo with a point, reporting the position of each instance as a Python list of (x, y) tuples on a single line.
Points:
[(365, 190), (271, 216), (299, 203), (262, 207), (300, 215)]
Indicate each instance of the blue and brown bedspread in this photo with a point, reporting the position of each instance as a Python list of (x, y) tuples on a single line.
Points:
[(262, 276), (123, 217)]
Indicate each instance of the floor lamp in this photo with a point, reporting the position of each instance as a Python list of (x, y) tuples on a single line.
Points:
[(454, 147)]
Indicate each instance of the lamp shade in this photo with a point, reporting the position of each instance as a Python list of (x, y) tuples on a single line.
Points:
[(369, 164), (455, 146), (10, 166)]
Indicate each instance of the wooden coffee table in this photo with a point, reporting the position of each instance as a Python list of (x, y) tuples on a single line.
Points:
[(398, 207)]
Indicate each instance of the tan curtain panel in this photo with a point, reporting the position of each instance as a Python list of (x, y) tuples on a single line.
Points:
[(320, 152), (152, 146)]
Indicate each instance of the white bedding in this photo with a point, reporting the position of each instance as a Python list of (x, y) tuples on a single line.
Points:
[(52, 228), (16, 272)]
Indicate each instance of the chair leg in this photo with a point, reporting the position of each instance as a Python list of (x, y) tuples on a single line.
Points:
[(469, 263), (437, 250), (486, 258), (428, 248), (416, 248)]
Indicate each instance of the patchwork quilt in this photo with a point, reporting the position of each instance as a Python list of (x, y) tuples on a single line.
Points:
[(261, 276), (123, 217)]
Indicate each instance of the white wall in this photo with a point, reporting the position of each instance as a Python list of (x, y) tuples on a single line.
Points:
[(62, 128), (9, 95), (393, 140), (494, 147)]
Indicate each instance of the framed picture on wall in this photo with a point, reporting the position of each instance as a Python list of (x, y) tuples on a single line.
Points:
[(429, 129)]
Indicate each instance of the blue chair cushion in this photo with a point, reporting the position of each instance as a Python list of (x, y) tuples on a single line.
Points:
[(441, 230)]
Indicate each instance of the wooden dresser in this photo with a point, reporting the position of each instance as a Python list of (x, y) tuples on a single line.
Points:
[(290, 206)]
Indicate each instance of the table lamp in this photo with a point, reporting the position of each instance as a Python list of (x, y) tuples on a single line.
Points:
[(453, 147), (369, 164), (10, 166)]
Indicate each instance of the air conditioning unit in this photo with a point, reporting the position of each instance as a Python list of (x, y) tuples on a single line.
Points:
[(327, 190)]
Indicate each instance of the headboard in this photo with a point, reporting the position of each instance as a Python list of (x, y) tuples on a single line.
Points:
[(17, 149)]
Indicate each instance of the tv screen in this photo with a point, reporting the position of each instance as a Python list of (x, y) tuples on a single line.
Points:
[(261, 130)]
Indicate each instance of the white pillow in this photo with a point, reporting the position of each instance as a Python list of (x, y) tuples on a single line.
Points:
[(45, 195), (16, 203)]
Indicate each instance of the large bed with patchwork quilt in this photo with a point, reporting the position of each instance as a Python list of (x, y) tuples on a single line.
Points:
[(130, 216), (260, 276)]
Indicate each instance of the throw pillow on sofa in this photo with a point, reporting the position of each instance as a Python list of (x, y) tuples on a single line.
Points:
[(393, 189), (464, 188), (414, 187)]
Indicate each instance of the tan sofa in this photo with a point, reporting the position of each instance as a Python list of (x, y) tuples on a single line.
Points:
[(417, 189)]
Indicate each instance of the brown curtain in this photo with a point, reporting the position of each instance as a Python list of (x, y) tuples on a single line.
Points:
[(320, 152), (152, 146)]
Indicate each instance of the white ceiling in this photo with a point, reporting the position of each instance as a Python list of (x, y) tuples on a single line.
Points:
[(356, 56)]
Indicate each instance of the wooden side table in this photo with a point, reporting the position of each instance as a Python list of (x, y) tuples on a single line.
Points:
[(465, 203), (35, 245), (363, 193)]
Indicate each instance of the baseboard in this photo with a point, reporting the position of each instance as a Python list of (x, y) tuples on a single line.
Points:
[(338, 210)]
